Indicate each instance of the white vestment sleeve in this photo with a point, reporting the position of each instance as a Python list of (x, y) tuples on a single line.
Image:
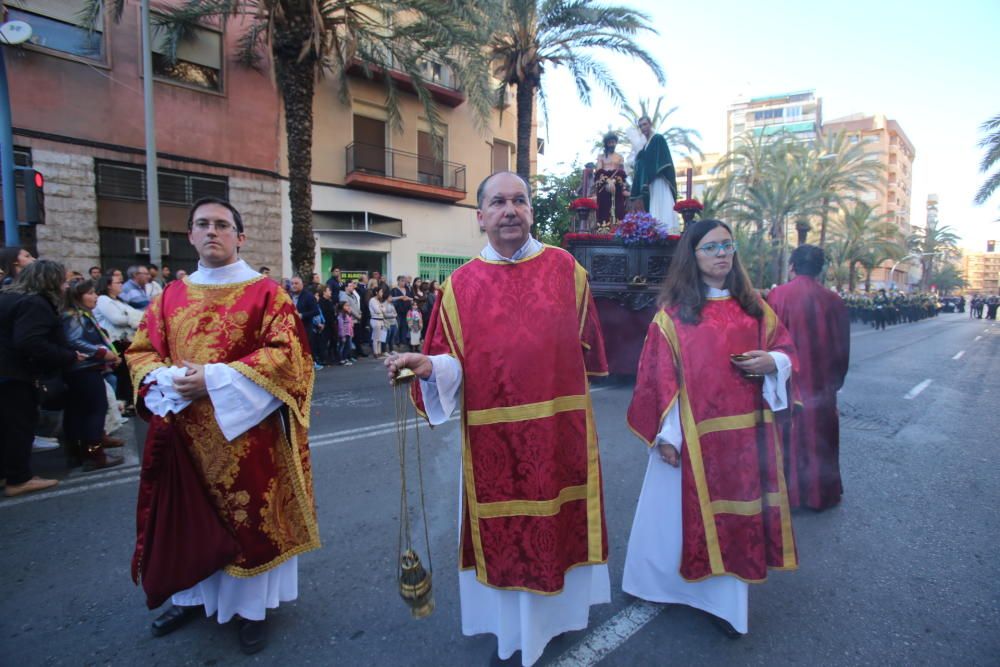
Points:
[(239, 403), (670, 432), (440, 390), (776, 384)]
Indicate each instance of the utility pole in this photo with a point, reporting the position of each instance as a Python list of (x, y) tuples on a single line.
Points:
[(152, 185), (11, 236), (12, 32)]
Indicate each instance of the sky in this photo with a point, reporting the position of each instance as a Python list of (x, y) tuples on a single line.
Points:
[(929, 66)]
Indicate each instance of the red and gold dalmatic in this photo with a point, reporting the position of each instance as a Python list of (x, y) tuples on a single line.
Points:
[(527, 336), (734, 501), (261, 482)]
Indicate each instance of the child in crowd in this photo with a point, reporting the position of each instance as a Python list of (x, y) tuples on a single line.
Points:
[(345, 329), (415, 323)]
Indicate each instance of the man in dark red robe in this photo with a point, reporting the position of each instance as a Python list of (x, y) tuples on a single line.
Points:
[(819, 324)]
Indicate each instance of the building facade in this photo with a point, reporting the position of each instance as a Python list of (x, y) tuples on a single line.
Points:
[(981, 271), (77, 108), (799, 114), (703, 173), (396, 200), (399, 200), (884, 140)]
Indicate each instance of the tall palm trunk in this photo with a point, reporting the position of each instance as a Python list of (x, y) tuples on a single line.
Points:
[(852, 276), (525, 103), (297, 79)]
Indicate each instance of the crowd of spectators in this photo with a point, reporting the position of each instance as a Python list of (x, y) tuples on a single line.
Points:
[(63, 337), (62, 342), (348, 318)]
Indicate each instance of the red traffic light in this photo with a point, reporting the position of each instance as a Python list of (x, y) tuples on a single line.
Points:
[(39, 180)]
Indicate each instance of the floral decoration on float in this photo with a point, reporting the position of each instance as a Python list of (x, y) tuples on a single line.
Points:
[(641, 228), (585, 203)]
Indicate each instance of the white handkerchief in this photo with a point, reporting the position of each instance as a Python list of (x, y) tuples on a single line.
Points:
[(162, 398)]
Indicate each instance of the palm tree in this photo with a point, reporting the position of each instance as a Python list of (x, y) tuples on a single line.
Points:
[(717, 200), (841, 172), (992, 145), (932, 241), (531, 35), (677, 137), (304, 39), (864, 237)]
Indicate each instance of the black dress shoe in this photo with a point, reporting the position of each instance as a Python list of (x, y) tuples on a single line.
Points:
[(172, 619), (253, 636)]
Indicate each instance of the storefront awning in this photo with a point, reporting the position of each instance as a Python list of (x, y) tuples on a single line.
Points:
[(358, 222)]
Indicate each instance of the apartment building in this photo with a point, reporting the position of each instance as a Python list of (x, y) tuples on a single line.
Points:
[(981, 271), (798, 113), (77, 109), (885, 141), (400, 201)]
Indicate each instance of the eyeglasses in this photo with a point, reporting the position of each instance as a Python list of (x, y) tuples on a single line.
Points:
[(724, 248), (221, 226)]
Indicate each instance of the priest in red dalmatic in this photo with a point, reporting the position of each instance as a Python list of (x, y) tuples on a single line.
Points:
[(713, 513), (819, 324), (223, 370), (512, 339)]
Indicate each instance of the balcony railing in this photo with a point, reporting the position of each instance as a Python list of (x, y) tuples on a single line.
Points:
[(438, 78), (378, 168)]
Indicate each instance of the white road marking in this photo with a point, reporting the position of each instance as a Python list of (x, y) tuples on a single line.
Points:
[(45, 495), (75, 485), (976, 338), (913, 393), (959, 355), (611, 634)]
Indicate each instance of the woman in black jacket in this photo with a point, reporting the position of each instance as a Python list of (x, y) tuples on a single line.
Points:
[(87, 401), (32, 347)]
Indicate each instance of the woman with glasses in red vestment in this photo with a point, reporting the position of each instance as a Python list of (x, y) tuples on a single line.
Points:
[(713, 512)]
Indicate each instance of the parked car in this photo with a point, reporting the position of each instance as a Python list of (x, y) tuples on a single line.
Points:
[(949, 304)]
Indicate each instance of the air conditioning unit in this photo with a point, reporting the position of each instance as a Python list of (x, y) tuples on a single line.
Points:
[(142, 246)]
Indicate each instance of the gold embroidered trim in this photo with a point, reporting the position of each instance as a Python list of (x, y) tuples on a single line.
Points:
[(278, 392), (532, 507), (523, 589), (516, 413), (188, 283), (733, 422)]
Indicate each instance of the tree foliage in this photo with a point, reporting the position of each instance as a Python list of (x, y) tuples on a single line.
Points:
[(533, 35)]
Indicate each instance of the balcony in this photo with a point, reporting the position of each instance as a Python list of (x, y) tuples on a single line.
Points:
[(438, 79), (380, 169)]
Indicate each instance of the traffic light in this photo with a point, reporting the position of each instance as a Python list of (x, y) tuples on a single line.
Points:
[(34, 196)]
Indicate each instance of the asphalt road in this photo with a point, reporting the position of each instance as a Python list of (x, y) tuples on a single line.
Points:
[(904, 572)]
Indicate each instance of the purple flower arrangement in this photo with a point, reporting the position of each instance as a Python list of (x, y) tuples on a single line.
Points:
[(640, 229)]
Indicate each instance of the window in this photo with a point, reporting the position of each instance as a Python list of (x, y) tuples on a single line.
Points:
[(500, 156), (199, 58), (793, 112), (369, 145), (438, 267), (430, 153), (126, 181), (767, 114), (57, 25)]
